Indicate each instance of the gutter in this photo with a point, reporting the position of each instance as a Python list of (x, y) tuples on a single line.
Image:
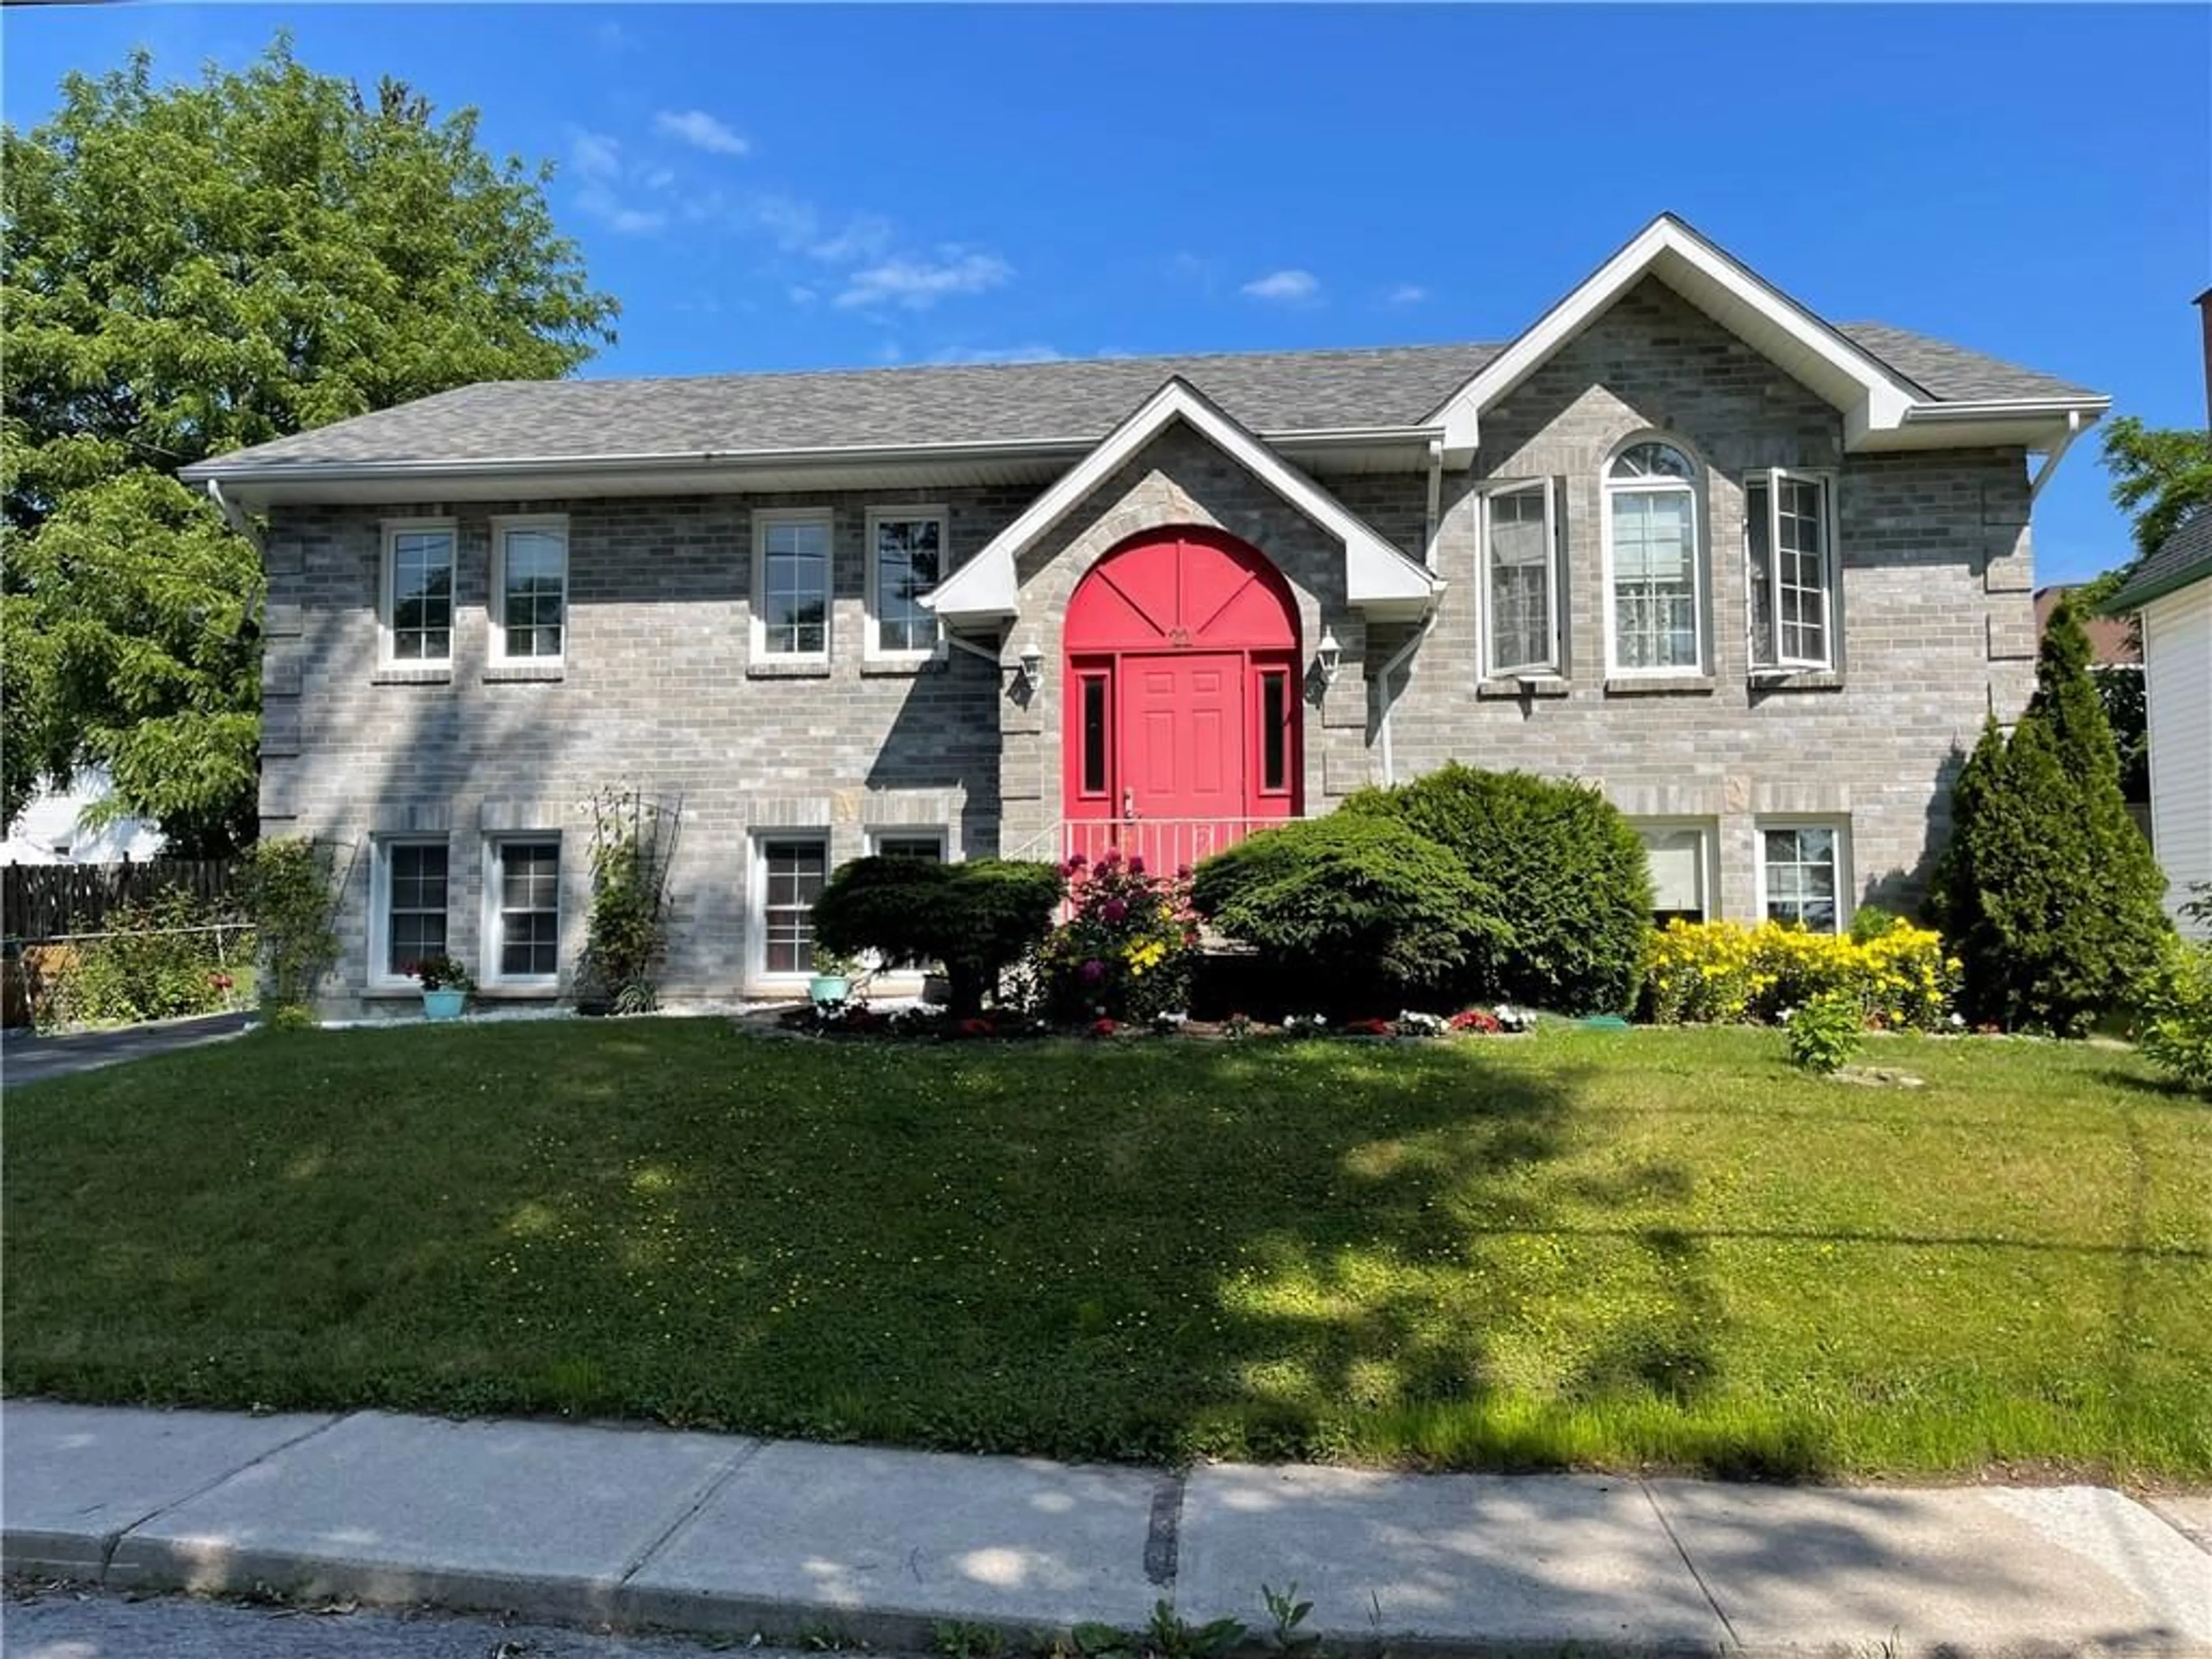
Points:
[(2080, 409), (621, 464), (1382, 690)]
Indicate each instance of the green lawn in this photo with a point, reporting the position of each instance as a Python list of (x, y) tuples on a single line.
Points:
[(1582, 1249)]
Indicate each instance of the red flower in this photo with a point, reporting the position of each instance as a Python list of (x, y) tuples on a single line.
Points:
[(1475, 1019), (974, 1028), (1115, 909), (1137, 865), (1104, 1028), (1369, 1028)]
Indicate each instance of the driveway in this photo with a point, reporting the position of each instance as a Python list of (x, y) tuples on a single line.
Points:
[(27, 1059)]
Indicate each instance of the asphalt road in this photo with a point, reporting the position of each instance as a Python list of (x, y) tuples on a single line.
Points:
[(66, 1623), (27, 1059)]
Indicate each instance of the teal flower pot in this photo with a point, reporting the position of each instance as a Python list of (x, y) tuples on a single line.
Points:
[(828, 988), (443, 1004)]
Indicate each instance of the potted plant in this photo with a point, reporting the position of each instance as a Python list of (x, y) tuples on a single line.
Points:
[(446, 987), (833, 978)]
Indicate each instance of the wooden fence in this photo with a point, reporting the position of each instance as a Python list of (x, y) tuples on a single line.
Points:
[(52, 901)]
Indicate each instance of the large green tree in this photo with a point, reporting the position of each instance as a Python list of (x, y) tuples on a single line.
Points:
[(2159, 476), (193, 268), (2047, 891)]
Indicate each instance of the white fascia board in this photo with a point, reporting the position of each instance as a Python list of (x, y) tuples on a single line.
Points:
[(986, 587), (1870, 397)]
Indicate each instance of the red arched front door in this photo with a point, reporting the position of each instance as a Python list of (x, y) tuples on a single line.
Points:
[(1182, 697)]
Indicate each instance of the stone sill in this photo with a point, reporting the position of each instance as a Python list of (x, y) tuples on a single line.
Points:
[(1795, 679), (896, 667), (500, 673), (1662, 685), (392, 675), (788, 671), (1534, 685)]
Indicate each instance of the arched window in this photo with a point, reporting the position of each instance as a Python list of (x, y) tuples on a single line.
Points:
[(1654, 560)]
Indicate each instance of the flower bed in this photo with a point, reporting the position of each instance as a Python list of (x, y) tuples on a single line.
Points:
[(926, 1022)]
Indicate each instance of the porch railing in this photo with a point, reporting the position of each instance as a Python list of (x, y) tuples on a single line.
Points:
[(1166, 845)]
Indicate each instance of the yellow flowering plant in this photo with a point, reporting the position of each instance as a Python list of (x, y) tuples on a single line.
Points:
[(1722, 972)]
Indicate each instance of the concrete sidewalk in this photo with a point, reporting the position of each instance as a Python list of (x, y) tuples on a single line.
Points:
[(640, 1526)]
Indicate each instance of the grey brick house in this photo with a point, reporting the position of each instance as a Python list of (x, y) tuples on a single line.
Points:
[(1757, 576)]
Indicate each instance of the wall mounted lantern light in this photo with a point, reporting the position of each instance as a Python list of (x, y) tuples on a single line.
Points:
[(1032, 664), (1329, 655)]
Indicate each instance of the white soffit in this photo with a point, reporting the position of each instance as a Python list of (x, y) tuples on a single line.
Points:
[(987, 588)]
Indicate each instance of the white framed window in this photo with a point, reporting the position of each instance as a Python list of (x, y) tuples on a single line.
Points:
[(906, 558), (529, 589), (1521, 580), (1804, 874), (522, 909), (415, 594), (791, 584), (903, 843), (926, 844), (408, 906), (790, 869), (1680, 859), (1654, 563), (1789, 533)]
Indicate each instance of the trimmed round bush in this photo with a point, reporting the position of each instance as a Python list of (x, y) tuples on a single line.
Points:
[(1572, 887), (977, 917), (1342, 902)]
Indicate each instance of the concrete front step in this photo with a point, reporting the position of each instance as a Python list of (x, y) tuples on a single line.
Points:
[(712, 1532)]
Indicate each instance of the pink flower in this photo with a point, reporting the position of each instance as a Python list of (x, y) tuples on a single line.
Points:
[(1113, 909), (1093, 971), (1137, 867), (1075, 866)]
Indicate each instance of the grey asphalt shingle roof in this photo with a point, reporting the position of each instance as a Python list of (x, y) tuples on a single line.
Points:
[(2184, 557), (1952, 373), (1269, 392)]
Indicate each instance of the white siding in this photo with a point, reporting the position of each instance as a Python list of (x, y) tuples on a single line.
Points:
[(2177, 666)]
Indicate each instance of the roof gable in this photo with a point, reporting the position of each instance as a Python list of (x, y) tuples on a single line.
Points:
[(1377, 575), (1868, 392)]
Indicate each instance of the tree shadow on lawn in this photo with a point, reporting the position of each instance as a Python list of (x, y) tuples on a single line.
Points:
[(1119, 1250)]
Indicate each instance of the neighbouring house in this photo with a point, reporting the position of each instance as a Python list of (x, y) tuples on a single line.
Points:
[(2171, 592), (52, 829), (1758, 577)]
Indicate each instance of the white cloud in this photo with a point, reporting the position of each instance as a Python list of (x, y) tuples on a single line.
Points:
[(1020, 353), (800, 294), (611, 210), (701, 130), (1407, 294), (594, 156), (865, 236), (916, 285), (1284, 287)]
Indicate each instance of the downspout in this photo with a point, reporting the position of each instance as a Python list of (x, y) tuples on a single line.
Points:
[(1435, 517), (2057, 454), (1382, 689), (1436, 503), (233, 516)]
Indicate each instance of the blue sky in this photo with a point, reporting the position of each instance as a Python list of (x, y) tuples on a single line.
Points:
[(798, 187)]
